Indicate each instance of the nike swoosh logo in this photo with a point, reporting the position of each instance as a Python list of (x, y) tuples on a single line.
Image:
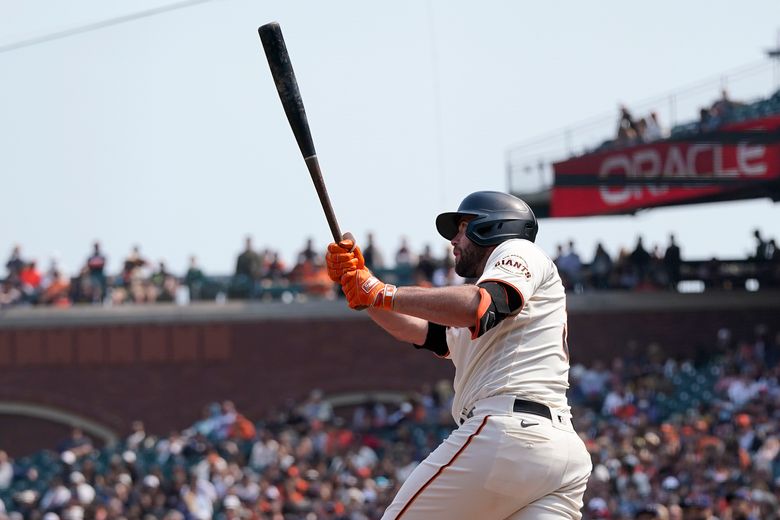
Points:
[(526, 424)]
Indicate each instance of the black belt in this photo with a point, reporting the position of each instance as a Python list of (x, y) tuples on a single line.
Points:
[(521, 405)]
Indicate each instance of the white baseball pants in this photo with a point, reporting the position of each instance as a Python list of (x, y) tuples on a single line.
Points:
[(499, 465)]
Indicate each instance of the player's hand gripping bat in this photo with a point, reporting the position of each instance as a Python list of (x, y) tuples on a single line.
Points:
[(287, 87)]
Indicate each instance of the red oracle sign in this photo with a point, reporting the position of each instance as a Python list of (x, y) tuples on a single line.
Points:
[(667, 172)]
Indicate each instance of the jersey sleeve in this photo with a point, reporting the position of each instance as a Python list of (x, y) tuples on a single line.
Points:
[(518, 265)]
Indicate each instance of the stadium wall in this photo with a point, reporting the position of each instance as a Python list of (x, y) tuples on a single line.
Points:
[(105, 367)]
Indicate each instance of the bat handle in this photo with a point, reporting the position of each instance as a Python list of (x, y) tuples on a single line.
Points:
[(322, 192)]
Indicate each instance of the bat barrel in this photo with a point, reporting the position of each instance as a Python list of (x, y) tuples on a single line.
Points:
[(286, 85)]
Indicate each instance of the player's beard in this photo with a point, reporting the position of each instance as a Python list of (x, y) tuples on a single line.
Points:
[(468, 263)]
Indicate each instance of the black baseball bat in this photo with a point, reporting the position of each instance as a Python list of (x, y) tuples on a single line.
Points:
[(287, 87)]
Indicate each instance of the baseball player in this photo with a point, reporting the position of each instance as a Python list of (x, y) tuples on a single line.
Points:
[(515, 454)]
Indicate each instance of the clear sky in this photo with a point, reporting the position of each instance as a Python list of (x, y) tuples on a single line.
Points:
[(167, 131)]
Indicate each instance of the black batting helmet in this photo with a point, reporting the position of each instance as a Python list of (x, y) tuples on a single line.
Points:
[(498, 217)]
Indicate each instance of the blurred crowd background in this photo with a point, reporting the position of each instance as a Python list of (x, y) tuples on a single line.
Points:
[(670, 438), (264, 275)]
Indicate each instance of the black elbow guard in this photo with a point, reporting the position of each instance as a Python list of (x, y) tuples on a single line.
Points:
[(436, 340), (497, 302)]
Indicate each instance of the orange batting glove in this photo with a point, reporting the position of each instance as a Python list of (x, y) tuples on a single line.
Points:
[(363, 289), (343, 257)]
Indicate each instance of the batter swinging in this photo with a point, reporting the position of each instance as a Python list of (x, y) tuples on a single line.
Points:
[(515, 454)]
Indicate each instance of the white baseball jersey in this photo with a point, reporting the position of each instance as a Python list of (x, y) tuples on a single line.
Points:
[(526, 354), (515, 465)]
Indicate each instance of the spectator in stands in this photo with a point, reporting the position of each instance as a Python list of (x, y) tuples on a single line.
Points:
[(600, 267), (82, 288), (57, 291), (404, 263), (772, 278), (763, 249), (56, 497), (248, 271), (165, 284), (706, 123), (6, 471), (593, 383), (426, 266), (77, 443), (134, 276), (445, 274), (697, 507), (763, 256), (194, 279), (9, 295), (641, 128), (96, 263), (559, 254), (571, 266), (626, 137), (137, 435), (640, 260), (226, 421), (310, 273), (626, 120), (564, 274), (372, 255), (276, 269), (672, 262), (309, 253), (653, 131), (656, 277), (316, 408), (30, 281), (628, 132), (199, 496), (709, 272), (403, 256), (134, 265), (15, 263), (722, 108)]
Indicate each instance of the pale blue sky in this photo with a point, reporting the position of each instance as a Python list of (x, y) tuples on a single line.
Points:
[(167, 131)]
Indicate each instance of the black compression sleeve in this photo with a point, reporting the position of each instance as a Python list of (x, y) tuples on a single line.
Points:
[(436, 340)]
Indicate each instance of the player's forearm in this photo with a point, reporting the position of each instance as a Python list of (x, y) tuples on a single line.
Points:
[(450, 306), (402, 327)]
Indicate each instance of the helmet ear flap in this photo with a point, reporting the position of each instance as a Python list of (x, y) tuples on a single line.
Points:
[(479, 231)]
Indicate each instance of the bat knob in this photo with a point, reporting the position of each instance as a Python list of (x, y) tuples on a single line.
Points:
[(350, 236)]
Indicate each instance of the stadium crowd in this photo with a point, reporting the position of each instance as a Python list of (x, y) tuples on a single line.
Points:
[(690, 439), (633, 130), (265, 275)]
